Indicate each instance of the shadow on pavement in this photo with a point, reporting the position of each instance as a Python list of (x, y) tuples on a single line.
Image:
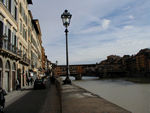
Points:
[(32, 102)]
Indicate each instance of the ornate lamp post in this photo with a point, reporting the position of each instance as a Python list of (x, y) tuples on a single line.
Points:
[(66, 17)]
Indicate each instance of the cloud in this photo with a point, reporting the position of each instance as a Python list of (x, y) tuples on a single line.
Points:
[(128, 27), (105, 23), (98, 28), (95, 27), (126, 41), (131, 17)]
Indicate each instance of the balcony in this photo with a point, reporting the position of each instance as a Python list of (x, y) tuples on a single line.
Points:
[(9, 50), (24, 60)]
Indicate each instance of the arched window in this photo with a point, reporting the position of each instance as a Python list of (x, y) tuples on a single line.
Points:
[(14, 66), (7, 66)]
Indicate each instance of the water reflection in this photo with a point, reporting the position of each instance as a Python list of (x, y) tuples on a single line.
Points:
[(131, 96)]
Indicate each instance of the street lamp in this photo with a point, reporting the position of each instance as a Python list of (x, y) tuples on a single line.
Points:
[(66, 17)]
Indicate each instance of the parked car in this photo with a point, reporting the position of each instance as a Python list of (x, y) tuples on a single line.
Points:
[(39, 84)]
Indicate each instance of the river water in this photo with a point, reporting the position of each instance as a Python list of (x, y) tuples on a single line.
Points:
[(134, 97)]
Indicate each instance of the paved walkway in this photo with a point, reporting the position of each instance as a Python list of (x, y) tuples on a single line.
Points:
[(52, 103), (78, 100), (41, 101), (15, 95)]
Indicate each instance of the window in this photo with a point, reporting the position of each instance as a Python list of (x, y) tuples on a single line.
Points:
[(23, 31), (20, 8), (9, 5), (7, 66), (20, 45), (1, 65), (2, 1), (1, 29), (29, 32), (5, 2), (15, 41), (15, 13), (14, 38), (23, 50), (9, 35), (25, 35), (20, 26), (14, 66)]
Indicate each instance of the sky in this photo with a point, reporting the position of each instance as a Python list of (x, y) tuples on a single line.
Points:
[(98, 28)]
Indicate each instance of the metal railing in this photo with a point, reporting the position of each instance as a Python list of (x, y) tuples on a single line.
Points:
[(7, 46), (25, 59)]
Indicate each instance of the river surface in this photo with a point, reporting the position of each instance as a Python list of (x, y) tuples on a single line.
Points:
[(134, 97)]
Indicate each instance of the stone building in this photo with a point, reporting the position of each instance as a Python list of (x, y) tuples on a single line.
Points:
[(9, 54), (24, 63), (143, 61), (36, 48), (43, 60), (132, 66), (20, 44)]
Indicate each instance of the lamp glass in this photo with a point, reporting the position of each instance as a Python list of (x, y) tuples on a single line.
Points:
[(66, 17)]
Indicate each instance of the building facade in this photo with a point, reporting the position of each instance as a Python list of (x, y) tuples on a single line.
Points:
[(9, 55), (20, 44)]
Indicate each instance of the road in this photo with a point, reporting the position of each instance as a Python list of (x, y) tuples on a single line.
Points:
[(37, 101)]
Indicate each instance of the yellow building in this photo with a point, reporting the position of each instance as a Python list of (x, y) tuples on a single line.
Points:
[(24, 63), (9, 56), (20, 44), (36, 46)]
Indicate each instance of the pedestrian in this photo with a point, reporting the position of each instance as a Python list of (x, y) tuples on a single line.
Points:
[(28, 81), (17, 84), (2, 97), (31, 80)]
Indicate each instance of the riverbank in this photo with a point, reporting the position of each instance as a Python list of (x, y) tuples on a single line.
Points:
[(78, 100), (142, 80)]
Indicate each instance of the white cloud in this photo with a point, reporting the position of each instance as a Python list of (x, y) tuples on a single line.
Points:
[(126, 41), (131, 17), (105, 23), (120, 28), (102, 25), (128, 27)]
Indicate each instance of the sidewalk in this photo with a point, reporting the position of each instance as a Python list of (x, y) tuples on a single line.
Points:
[(79, 100), (16, 94), (52, 102)]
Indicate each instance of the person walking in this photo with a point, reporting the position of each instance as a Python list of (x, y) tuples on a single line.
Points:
[(31, 80), (28, 81), (2, 97), (17, 84)]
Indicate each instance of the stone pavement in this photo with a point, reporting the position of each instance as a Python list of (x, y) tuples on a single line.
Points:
[(52, 102), (78, 100), (15, 95)]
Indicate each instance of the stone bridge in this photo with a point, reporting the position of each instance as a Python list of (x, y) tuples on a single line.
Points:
[(76, 70)]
